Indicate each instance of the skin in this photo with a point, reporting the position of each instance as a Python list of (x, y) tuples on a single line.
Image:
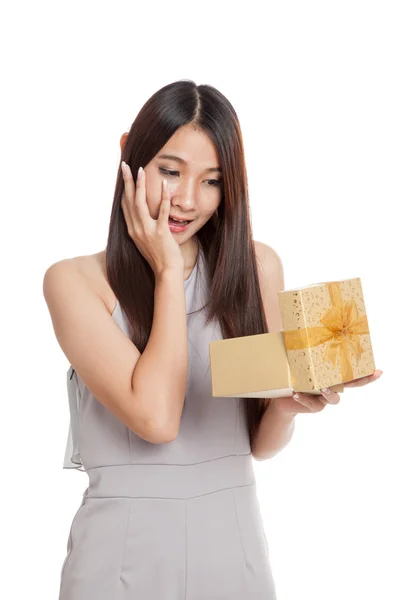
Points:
[(305, 403), (277, 424), (194, 192)]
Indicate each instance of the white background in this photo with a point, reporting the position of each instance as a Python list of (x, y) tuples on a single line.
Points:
[(316, 88)]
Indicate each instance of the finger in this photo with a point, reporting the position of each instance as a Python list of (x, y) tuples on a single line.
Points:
[(140, 197), (310, 401), (129, 185), (128, 195), (364, 380), (127, 203), (302, 409), (165, 204), (329, 396), (323, 400), (357, 382)]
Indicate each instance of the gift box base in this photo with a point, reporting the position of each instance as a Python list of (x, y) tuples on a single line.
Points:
[(254, 366)]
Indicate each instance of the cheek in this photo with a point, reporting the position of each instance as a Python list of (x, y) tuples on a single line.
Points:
[(154, 207), (216, 207)]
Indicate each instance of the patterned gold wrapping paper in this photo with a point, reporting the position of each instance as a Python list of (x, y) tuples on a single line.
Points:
[(326, 334)]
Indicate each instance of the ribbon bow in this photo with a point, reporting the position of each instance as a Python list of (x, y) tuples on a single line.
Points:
[(342, 329)]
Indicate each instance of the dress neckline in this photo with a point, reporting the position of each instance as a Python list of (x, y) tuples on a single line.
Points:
[(192, 272)]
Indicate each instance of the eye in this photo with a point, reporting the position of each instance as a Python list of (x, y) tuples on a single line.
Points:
[(166, 172), (215, 182)]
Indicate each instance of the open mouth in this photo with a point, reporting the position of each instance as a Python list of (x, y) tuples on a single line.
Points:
[(178, 225), (177, 222)]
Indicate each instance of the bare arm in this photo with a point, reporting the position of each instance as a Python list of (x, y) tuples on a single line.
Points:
[(274, 433), (275, 430), (144, 391), (159, 379)]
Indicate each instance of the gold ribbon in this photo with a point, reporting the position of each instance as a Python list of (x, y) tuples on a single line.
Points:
[(342, 328)]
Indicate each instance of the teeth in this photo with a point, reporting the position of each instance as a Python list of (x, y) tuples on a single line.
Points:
[(178, 220)]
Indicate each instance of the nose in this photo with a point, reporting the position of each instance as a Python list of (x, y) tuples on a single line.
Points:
[(184, 194)]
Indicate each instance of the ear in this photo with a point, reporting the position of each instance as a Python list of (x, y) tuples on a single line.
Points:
[(122, 141)]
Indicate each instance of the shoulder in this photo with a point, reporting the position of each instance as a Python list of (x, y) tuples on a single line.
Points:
[(90, 269), (271, 277), (268, 259)]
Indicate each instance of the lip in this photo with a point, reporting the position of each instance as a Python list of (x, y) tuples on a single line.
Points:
[(175, 228), (180, 218)]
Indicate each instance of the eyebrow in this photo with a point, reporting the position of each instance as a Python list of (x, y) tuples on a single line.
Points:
[(183, 162)]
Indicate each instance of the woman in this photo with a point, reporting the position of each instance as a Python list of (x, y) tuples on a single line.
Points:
[(171, 510)]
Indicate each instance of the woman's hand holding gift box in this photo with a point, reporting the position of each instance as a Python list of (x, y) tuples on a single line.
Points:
[(311, 403)]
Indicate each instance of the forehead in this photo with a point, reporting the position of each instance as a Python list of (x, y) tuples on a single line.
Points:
[(193, 146)]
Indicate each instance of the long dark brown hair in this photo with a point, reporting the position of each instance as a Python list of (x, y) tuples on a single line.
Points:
[(227, 242)]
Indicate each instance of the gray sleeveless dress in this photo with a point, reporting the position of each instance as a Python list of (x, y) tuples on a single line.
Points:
[(173, 521)]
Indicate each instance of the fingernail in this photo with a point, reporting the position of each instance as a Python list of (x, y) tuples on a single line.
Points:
[(123, 167), (140, 173), (326, 390), (296, 396)]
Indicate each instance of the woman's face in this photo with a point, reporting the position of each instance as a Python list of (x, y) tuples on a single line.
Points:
[(194, 182)]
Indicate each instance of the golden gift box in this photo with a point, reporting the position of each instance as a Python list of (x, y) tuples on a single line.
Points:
[(326, 334), (253, 366), (325, 342)]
